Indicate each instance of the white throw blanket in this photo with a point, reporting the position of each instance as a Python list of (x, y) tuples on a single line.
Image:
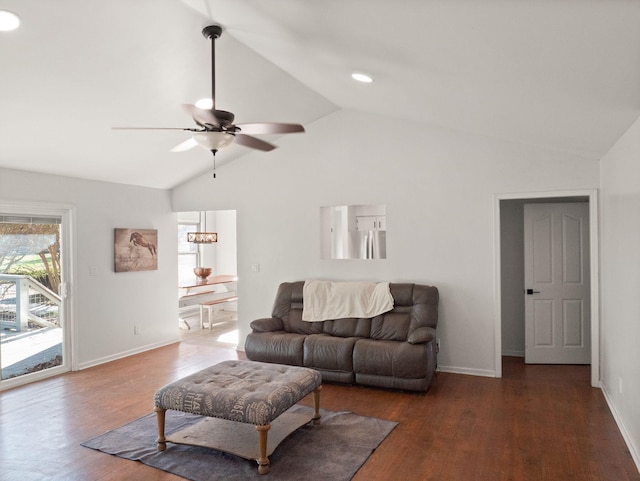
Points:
[(324, 300)]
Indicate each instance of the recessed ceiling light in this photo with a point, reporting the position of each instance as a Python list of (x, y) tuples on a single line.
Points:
[(204, 104), (8, 21), (360, 77)]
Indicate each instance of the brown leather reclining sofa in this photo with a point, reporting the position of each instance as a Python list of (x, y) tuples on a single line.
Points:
[(395, 350)]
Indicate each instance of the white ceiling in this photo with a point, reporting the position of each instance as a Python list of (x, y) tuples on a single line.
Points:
[(558, 73)]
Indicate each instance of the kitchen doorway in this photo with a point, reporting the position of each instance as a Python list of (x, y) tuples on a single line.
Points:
[(208, 305)]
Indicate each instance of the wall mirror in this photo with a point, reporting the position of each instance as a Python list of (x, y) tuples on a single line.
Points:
[(353, 232)]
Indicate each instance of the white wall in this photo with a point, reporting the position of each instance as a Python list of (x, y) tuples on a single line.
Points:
[(438, 186), (108, 304), (620, 203), (226, 261)]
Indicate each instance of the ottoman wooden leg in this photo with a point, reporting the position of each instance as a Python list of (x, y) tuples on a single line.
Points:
[(263, 460), (316, 405), (160, 414)]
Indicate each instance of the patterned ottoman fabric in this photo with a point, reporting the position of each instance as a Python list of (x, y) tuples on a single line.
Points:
[(243, 391)]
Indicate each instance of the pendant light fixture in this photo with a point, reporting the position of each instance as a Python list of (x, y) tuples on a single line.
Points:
[(203, 237)]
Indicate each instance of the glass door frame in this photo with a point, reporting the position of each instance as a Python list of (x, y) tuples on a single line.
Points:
[(67, 214)]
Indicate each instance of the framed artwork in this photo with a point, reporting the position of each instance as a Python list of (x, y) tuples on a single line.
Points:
[(135, 250)]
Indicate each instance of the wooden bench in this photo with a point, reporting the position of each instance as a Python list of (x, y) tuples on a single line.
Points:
[(210, 305)]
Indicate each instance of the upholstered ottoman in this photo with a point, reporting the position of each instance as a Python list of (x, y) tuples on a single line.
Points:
[(234, 395)]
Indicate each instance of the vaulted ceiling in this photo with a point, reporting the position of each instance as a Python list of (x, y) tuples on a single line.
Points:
[(563, 74)]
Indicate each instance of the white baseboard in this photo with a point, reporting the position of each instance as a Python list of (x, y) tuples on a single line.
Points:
[(513, 353), (468, 371), (635, 453), (130, 352)]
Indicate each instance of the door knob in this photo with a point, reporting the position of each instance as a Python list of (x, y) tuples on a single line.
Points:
[(531, 292)]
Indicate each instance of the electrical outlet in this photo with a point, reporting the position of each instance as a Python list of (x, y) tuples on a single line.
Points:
[(437, 344), (620, 385), (136, 329), (255, 267)]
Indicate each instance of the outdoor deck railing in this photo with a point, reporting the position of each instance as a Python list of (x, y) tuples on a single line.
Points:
[(23, 299)]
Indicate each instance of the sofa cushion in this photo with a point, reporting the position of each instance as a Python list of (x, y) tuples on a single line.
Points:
[(350, 327), (402, 294), (391, 326), (288, 307), (328, 352), (277, 347), (390, 358), (294, 323)]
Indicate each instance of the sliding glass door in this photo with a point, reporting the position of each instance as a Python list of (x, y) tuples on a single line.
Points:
[(33, 337)]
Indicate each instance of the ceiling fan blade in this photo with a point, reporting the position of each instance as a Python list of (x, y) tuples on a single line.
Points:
[(201, 116), (269, 128), (253, 142), (151, 128), (186, 145)]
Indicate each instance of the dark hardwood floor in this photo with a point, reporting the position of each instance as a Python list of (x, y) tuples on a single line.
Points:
[(536, 423)]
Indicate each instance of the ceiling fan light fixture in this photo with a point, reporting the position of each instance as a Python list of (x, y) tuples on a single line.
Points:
[(8, 21), (204, 104), (361, 77), (212, 140)]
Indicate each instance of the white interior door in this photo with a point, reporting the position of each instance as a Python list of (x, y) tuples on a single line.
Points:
[(557, 304)]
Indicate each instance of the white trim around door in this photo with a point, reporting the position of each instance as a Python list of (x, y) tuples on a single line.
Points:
[(592, 196)]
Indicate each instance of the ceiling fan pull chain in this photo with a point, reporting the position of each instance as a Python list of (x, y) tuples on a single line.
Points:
[(213, 151)]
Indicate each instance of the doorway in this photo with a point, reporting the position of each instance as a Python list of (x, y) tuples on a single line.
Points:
[(34, 316), (510, 280), (208, 305)]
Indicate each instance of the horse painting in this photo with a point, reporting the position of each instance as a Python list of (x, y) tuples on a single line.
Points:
[(135, 250), (139, 240)]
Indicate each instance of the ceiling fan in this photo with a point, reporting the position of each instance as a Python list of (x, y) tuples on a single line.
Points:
[(215, 128)]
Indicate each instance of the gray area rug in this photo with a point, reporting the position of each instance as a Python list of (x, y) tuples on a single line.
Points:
[(333, 450)]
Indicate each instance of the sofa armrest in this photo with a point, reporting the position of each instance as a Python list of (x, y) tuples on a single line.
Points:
[(422, 335), (267, 324)]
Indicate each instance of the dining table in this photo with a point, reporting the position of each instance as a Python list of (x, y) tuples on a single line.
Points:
[(195, 291)]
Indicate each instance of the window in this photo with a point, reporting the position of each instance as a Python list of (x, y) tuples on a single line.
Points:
[(188, 254)]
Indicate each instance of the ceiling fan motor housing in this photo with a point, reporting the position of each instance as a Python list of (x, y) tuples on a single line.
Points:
[(212, 31), (225, 118)]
